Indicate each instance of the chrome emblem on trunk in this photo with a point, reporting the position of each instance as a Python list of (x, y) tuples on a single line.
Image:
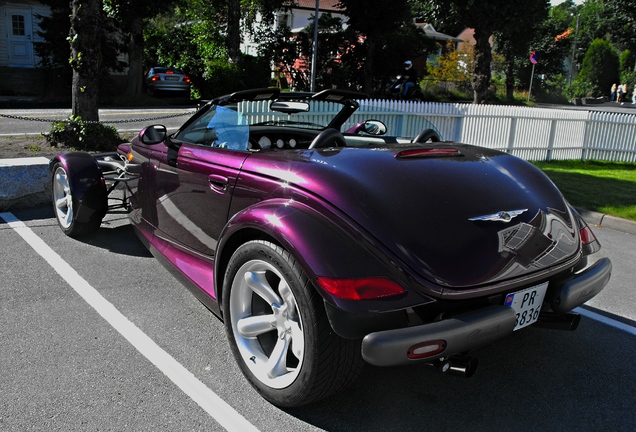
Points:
[(502, 216)]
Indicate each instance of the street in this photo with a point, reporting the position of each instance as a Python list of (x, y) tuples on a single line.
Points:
[(71, 362), (38, 121)]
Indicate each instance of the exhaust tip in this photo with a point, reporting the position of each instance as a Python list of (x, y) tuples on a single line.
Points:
[(462, 366)]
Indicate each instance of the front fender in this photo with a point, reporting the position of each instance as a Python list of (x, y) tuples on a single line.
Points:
[(86, 183), (324, 248)]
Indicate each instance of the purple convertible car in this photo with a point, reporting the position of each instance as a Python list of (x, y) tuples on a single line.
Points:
[(325, 246)]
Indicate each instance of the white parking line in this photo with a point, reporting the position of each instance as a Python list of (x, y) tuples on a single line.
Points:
[(216, 407), (605, 320)]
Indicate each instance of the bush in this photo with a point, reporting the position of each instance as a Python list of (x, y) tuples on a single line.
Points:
[(222, 77), (76, 134), (600, 69)]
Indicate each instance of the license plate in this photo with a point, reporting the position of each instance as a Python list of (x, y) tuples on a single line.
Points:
[(172, 78), (527, 304)]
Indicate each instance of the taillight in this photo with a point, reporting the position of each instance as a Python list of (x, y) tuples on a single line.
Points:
[(186, 78), (587, 236), (589, 243), (155, 78), (428, 152), (169, 72), (361, 289)]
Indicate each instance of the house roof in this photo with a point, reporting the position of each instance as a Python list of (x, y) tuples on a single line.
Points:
[(430, 32), (325, 5)]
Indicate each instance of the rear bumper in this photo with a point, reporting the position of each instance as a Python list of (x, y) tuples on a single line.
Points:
[(476, 329), (460, 334), (176, 86), (582, 286)]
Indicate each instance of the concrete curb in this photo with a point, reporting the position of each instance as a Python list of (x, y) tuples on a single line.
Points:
[(607, 221), (24, 183)]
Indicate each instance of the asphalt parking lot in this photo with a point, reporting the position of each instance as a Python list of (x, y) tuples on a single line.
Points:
[(96, 335)]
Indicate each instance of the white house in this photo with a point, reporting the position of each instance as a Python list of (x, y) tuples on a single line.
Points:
[(297, 15), (19, 21), (19, 73)]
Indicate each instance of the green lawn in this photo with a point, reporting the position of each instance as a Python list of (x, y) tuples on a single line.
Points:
[(606, 187)]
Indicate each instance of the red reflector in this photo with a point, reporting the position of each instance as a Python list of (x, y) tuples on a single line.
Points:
[(414, 153), (361, 289), (587, 236), (426, 349)]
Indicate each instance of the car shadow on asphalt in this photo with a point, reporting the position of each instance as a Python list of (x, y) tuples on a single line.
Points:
[(537, 379), (115, 234), (120, 239)]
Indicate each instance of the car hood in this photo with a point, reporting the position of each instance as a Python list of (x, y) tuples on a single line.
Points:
[(458, 215)]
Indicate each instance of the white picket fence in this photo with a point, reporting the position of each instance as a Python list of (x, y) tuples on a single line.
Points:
[(526, 132)]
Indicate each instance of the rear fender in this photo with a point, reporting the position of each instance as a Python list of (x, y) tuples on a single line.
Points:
[(323, 248), (86, 183)]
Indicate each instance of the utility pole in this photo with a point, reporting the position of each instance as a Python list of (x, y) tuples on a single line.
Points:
[(314, 55), (576, 35)]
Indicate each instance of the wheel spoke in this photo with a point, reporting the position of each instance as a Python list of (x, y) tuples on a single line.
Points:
[(277, 364), (297, 340), (252, 326), (69, 217), (62, 180), (257, 282), (288, 297), (61, 203)]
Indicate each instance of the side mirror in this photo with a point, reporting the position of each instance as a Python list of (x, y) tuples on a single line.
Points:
[(374, 127), (153, 134)]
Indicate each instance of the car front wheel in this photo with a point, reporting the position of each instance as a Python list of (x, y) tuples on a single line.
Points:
[(279, 331), (66, 206)]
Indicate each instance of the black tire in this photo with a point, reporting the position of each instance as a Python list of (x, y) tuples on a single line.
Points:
[(66, 206), (313, 362)]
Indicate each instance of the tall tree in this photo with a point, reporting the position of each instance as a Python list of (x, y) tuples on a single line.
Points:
[(513, 40), (131, 15), (86, 57), (485, 17), (622, 14), (53, 47), (377, 23)]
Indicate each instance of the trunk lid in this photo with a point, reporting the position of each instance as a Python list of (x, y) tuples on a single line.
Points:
[(458, 215)]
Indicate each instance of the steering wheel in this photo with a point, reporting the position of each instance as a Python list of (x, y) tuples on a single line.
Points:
[(328, 138), (426, 135)]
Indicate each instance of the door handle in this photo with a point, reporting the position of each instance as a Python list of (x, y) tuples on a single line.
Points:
[(218, 183)]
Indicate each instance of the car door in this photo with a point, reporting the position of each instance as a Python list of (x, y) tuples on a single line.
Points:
[(194, 196), (194, 186)]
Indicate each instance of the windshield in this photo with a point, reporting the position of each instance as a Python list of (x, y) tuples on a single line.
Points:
[(220, 127), (260, 113)]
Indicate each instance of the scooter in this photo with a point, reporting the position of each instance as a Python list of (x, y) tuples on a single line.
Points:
[(396, 90)]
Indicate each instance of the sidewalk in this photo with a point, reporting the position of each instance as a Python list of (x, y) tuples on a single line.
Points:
[(24, 182)]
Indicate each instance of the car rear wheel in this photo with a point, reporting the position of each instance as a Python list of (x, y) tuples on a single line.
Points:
[(279, 331), (66, 205)]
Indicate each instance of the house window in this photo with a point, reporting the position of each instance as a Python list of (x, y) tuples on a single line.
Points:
[(17, 23), (283, 20)]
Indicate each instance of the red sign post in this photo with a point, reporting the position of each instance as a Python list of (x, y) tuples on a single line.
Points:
[(534, 59)]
